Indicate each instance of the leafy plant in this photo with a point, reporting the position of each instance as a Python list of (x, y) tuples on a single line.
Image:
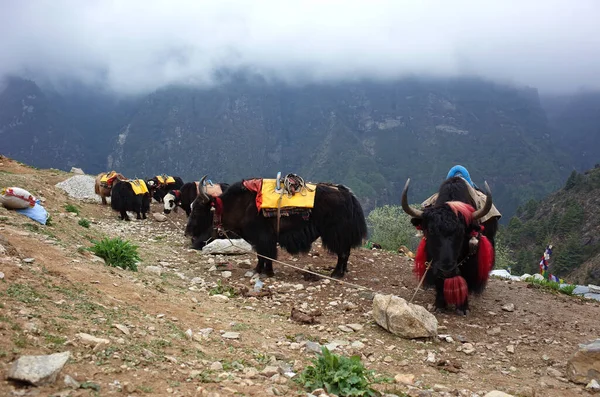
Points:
[(221, 289), (72, 208), (339, 375), (49, 221), (117, 253), (551, 285), (390, 226), (84, 222)]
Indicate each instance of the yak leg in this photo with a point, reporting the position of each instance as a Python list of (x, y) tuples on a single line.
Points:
[(463, 309), (267, 248), (139, 216), (124, 216), (103, 200), (440, 300), (342, 265)]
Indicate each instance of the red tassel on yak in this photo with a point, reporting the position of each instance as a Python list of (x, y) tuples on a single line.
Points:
[(485, 258), (420, 259), (455, 290)]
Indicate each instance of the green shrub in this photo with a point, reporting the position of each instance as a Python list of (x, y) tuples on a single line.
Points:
[(221, 289), (390, 226), (84, 222), (551, 285), (339, 375), (72, 208), (117, 253)]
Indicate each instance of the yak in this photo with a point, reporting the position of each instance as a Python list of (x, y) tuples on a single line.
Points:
[(185, 196), (124, 199), (103, 189), (159, 189), (457, 248), (337, 217)]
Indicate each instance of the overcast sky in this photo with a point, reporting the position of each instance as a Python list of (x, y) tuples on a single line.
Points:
[(135, 46)]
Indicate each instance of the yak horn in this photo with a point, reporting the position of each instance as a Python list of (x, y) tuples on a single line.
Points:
[(488, 204), (201, 191), (415, 213)]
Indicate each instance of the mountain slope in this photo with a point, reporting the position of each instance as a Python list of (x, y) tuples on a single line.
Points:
[(371, 136), (576, 123), (566, 219)]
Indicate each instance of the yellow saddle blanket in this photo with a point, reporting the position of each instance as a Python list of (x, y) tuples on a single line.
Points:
[(108, 178), (270, 198), (164, 181), (138, 186)]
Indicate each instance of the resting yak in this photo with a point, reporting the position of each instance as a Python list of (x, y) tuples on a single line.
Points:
[(337, 217), (458, 248), (185, 196), (159, 187), (124, 199)]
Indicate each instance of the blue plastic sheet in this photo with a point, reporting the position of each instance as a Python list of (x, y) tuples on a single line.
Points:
[(38, 213)]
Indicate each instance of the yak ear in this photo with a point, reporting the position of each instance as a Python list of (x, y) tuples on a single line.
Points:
[(416, 221)]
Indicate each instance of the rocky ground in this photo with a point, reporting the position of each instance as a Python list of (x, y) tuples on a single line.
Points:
[(182, 325)]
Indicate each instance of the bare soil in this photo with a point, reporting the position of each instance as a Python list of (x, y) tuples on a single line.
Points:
[(65, 291)]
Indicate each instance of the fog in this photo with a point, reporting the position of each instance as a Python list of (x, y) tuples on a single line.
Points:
[(138, 46)]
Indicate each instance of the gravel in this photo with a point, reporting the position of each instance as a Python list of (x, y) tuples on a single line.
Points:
[(80, 187)]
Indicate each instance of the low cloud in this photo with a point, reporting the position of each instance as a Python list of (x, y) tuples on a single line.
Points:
[(138, 46)]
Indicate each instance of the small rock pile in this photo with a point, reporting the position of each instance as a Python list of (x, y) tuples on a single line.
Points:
[(80, 187)]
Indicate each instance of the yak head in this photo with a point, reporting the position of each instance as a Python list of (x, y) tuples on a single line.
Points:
[(447, 230), (200, 222), (171, 200)]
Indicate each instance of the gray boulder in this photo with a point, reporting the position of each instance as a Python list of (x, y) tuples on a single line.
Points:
[(38, 370), (584, 366), (402, 318)]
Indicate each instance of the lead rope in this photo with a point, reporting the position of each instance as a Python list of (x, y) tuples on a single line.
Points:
[(427, 265), (317, 274)]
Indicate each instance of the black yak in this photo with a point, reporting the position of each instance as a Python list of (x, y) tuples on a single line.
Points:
[(124, 198), (160, 185), (185, 196), (458, 248), (337, 217)]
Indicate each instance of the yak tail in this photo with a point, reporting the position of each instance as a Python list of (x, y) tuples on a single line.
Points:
[(350, 227)]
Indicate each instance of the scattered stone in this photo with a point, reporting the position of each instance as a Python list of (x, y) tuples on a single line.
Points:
[(72, 383), (189, 333), (345, 328), (77, 171), (402, 318), (231, 335), (355, 327), (216, 366), (496, 393), (219, 297), (88, 339), (269, 371), (152, 270), (593, 386), (494, 331), (29, 260), (405, 379), (313, 347), (431, 357), (510, 349), (249, 274), (584, 366), (554, 372), (226, 274), (466, 348), (1, 276), (38, 370), (510, 307), (227, 247), (388, 359), (122, 328), (159, 217), (357, 345)]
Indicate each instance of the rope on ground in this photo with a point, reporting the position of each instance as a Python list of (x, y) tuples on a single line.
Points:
[(318, 274)]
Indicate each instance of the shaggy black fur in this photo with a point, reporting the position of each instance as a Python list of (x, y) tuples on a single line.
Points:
[(124, 199), (448, 241), (159, 192), (337, 217)]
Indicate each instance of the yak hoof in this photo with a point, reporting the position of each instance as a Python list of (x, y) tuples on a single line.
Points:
[(337, 274), (462, 312)]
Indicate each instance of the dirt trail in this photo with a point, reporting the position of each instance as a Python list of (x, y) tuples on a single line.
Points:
[(65, 291)]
